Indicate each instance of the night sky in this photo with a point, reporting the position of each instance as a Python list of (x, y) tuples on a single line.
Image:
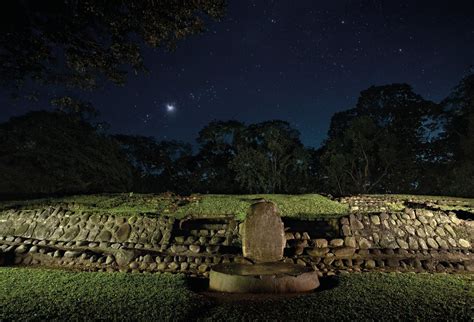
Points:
[(299, 61)]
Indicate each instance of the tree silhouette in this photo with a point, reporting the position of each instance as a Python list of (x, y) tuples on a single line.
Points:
[(80, 43)]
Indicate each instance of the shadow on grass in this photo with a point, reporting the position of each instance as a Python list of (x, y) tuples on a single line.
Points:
[(201, 285)]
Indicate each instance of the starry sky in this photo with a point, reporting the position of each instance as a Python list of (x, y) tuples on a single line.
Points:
[(299, 61)]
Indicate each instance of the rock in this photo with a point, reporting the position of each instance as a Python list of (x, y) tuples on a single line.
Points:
[(355, 223), (123, 232), (300, 246), (369, 264), (147, 258), (317, 252), (305, 236), (469, 265), (212, 249), (350, 242), (413, 243), (422, 244), (399, 232), (410, 230), (71, 233), (124, 256), (264, 246), (344, 252), (328, 260), (202, 268), (429, 231), (452, 242), (387, 240), (195, 248), (33, 249), (336, 242), (464, 243), (346, 230), (421, 232), (440, 231), (442, 243), (450, 230), (392, 262), (289, 236), (109, 260), (21, 249), (432, 243), (402, 243), (133, 265), (173, 266), (178, 248), (364, 243), (454, 218), (161, 266), (321, 243), (72, 254), (376, 238), (375, 219), (179, 239)]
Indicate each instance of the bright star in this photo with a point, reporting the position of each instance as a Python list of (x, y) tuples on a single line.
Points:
[(170, 108)]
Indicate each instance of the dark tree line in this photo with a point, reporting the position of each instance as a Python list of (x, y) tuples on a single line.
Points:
[(392, 141)]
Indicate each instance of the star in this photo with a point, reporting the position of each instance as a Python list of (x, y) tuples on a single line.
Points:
[(170, 108)]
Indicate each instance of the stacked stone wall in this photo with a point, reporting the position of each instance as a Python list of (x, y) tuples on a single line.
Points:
[(410, 240)]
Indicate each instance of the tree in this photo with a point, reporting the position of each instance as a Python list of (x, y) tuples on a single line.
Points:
[(270, 158), (393, 110), (54, 152), (218, 147), (79, 43), (358, 160), (159, 166), (459, 139)]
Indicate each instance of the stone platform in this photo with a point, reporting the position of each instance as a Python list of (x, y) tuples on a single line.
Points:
[(271, 277)]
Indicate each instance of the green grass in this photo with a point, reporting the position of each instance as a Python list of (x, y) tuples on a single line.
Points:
[(39, 294), (304, 206), (27, 294), (444, 202)]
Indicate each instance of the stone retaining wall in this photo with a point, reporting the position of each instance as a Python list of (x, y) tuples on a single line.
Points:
[(411, 240)]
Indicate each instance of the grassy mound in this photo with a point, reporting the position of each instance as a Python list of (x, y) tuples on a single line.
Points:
[(303, 206), (27, 294)]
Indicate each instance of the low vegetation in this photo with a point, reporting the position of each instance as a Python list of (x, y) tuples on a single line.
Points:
[(303, 206), (43, 294)]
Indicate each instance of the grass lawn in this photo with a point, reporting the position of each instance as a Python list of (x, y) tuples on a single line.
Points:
[(304, 206), (42, 294)]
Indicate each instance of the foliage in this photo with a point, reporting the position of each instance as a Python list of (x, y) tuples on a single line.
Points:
[(218, 147), (81, 43), (159, 166), (459, 139), (54, 152), (381, 144), (270, 158), (40, 294), (360, 158)]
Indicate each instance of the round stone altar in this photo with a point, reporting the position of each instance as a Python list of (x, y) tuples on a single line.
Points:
[(276, 277), (263, 241)]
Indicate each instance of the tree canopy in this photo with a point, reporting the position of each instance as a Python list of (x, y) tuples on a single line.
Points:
[(81, 43)]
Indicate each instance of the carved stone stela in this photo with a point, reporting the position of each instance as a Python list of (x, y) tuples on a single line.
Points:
[(263, 235)]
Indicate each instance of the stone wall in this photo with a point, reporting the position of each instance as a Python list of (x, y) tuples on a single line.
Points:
[(410, 240)]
